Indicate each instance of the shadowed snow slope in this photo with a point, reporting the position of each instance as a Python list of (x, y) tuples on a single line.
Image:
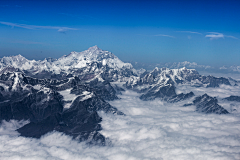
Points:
[(151, 130)]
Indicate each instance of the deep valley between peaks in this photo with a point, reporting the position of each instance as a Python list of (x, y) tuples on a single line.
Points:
[(70, 94)]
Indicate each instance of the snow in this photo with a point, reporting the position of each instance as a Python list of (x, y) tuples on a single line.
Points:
[(16, 81), (150, 129), (67, 96), (45, 90), (86, 95), (71, 61), (37, 87), (81, 64), (139, 71), (104, 62), (4, 86)]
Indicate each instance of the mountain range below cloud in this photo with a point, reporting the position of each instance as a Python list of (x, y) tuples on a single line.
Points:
[(160, 82), (90, 104)]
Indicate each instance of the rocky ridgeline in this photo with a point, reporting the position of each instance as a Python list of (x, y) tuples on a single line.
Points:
[(161, 82), (207, 104), (65, 94), (40, 101), (90, 63)]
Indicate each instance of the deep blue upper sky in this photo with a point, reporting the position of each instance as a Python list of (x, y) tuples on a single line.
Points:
[(206, 32)]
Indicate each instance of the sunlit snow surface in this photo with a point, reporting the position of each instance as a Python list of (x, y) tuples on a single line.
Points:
[(151, 130)]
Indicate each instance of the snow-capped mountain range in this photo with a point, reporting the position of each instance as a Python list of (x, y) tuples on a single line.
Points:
[(190, 65), (65, 63), (66, 94), (94, 60)]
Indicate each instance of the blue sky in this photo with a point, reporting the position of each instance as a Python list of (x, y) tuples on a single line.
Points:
[(206, 32)]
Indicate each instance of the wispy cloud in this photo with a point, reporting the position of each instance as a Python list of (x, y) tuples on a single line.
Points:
[(164, 35), (216, 35), (190, 32), (59, 29), (231, 37)]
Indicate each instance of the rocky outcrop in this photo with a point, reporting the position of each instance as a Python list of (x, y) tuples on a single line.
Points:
[(233, 98), (181, 97), (207, 104), (40, 102)]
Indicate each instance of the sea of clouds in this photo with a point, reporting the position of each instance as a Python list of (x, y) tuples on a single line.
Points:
[(151, 130)]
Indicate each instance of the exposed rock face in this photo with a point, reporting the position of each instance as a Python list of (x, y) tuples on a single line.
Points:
[(177, 76), (65, 94), (41, 101), (160, 83), (101, 88), (35, 106), (162, 91), (213, 81), (181, 97), (207, 104), (76, 122), (233, 98)]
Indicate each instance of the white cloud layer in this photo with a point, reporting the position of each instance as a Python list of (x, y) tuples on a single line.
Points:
[(59, 29), (151, 130), (190, 32), (216, 35)]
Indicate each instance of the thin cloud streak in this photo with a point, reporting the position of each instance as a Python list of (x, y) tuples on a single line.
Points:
[(231, 37), (216, 35), (164, 35), (190, 32), (59, 29)]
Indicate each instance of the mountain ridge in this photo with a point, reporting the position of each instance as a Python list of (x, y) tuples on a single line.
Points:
[(67, 96)]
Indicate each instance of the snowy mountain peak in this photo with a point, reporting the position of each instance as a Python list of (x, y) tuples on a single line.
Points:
[(68, 64), (16, 59), (94, 48), (93, 54), (184, 68)]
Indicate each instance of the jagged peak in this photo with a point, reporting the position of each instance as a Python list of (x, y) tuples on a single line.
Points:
[(94, 48), (50, 59), (19, 56), (184, 68)]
